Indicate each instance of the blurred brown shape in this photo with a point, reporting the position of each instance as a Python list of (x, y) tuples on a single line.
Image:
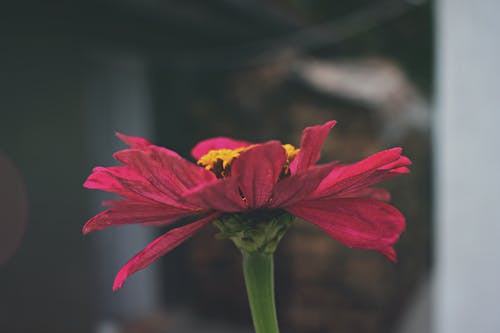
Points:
[(152, 323), (13, 209)]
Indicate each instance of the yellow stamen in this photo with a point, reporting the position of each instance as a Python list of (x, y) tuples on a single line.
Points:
[(291, 151), (226, 156)]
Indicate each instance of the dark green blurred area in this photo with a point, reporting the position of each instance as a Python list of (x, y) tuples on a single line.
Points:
[(406, 39), (213, 68)]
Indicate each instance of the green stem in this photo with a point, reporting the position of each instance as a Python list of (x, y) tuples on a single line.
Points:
[(258, 269)]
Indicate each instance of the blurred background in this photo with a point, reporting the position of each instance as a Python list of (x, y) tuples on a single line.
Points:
[(75, 72)]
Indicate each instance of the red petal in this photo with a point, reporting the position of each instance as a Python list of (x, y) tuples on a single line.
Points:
[(399, 171), (361, 222), (369, 192), (205, 146), (257, 171), (130, 212), (126, 182), (168, 173), (360, 175), (402, 161), (377, 176), (221, 195), (299, 186), (310, 147), (136, 142), (133, 141), (158, 248), (389, 253)]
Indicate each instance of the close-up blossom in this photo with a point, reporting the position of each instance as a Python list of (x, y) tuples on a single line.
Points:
[(235, 180)]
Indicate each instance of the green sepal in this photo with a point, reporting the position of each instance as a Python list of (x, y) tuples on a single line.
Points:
[(254, 232)]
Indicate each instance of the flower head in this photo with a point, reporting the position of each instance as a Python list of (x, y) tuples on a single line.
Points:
[(246, 187)]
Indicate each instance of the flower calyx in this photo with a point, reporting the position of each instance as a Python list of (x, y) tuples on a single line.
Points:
[(254, 232)]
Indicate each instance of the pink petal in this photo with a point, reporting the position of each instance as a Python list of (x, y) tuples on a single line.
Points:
[(399, 171), (205, 146), (170, 174), (402, 161), (356, 222), (310, 147), (133, 141), (380, 175), (130, 212), (299, 186), (257, 171), (377, 176), (136, 142), (158, 248), (389, 253), (359, 175), (126, 182), (369, 192), (222, 195)]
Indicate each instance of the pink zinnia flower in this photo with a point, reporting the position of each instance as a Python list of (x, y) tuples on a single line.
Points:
[(232, 177)]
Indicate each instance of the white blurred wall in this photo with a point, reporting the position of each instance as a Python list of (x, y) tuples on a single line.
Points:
[(467, 178), (118, 100)]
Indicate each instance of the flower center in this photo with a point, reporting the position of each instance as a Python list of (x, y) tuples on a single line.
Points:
[(219, 160)]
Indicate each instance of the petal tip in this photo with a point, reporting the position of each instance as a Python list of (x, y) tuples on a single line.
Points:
[(120, 136), (120, 278), (398, 150), (117, 285), (88, 183), (312, 140), (405, 160), (133, 141), (331, 123), (390, 254), (87, 229)]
